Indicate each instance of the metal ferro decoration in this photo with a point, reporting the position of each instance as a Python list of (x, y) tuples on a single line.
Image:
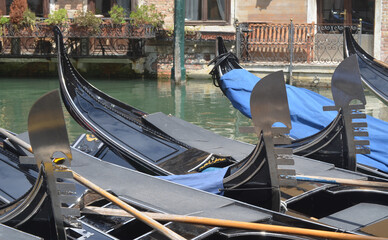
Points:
[(268, 108), (349, 99), (48, 137)]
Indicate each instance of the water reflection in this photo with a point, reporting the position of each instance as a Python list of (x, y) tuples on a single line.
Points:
[(198, 102)]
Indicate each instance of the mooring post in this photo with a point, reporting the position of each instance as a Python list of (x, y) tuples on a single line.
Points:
[(178, 71), (291, 46), (359, 30), (238, 39)]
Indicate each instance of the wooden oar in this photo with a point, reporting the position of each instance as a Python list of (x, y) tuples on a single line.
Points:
[(230, 224), (16, 140), (381, 62), (129, 209), (339, 181), (139, 215), (201, 220)]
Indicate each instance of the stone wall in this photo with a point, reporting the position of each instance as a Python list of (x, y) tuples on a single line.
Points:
[(272, 11), (159, 60), (384, 31)]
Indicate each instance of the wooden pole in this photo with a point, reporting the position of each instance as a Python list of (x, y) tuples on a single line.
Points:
[(137, 214), (234, 224), (340, 181), (381, 62), (178, 71), (16, 140)]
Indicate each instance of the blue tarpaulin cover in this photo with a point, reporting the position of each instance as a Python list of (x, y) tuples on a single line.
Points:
[(307, 115), (209, 181)]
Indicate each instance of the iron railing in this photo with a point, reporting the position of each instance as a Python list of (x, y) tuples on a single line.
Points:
[(108, 40), (291, 43)]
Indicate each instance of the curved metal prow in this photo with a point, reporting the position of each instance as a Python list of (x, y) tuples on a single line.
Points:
[(346, 83), (48, 136), (269, 105), (346, 87)]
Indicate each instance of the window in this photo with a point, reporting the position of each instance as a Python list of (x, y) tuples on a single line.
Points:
[(103, 6), (39, 7), (347, 12), (207, 11), (36, 6)]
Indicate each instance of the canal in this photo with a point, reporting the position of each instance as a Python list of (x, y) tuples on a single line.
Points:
[(198, 102)]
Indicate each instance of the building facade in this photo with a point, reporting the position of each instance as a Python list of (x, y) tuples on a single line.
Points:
[(214, 17)]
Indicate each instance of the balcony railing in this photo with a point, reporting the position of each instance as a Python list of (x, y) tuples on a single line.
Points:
[(291, 43), (109, 40)]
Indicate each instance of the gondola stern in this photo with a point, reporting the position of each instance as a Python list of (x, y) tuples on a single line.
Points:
[(268, 166)]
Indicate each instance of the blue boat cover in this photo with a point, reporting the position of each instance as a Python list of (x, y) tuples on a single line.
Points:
[(307, 115), (210, 180)]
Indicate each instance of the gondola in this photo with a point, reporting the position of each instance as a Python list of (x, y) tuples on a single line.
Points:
[(31, 214), (33, 219), (132, 134), (330, 139), (83, 100), (374, 73), (163, 145)]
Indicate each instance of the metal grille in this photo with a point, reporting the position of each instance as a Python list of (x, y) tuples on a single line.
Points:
[(291, 43), (108, 40)]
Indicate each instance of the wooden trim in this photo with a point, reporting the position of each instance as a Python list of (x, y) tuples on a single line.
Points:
[(319, 11), (348, 9), (195, 23), (3, 8), (204, 12), (46, 8), (92, 6), (133, 4)]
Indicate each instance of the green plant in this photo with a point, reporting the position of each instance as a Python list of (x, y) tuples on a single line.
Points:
[(168, 32), (89, 20), (3, 21), (147, 14), (117, 14), (58, 17), (29, 19), (191, 30)]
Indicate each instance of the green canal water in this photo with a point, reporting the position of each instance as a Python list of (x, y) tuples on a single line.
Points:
[(198, 102)]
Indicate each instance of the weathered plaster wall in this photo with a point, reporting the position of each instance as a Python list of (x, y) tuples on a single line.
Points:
[(272, 11), (159, 59), (384, 31)]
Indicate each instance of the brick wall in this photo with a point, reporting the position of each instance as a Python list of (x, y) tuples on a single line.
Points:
[(166, 7), (384, 31)]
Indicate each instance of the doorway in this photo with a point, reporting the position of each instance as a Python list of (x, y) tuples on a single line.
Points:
[(347, 12)]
